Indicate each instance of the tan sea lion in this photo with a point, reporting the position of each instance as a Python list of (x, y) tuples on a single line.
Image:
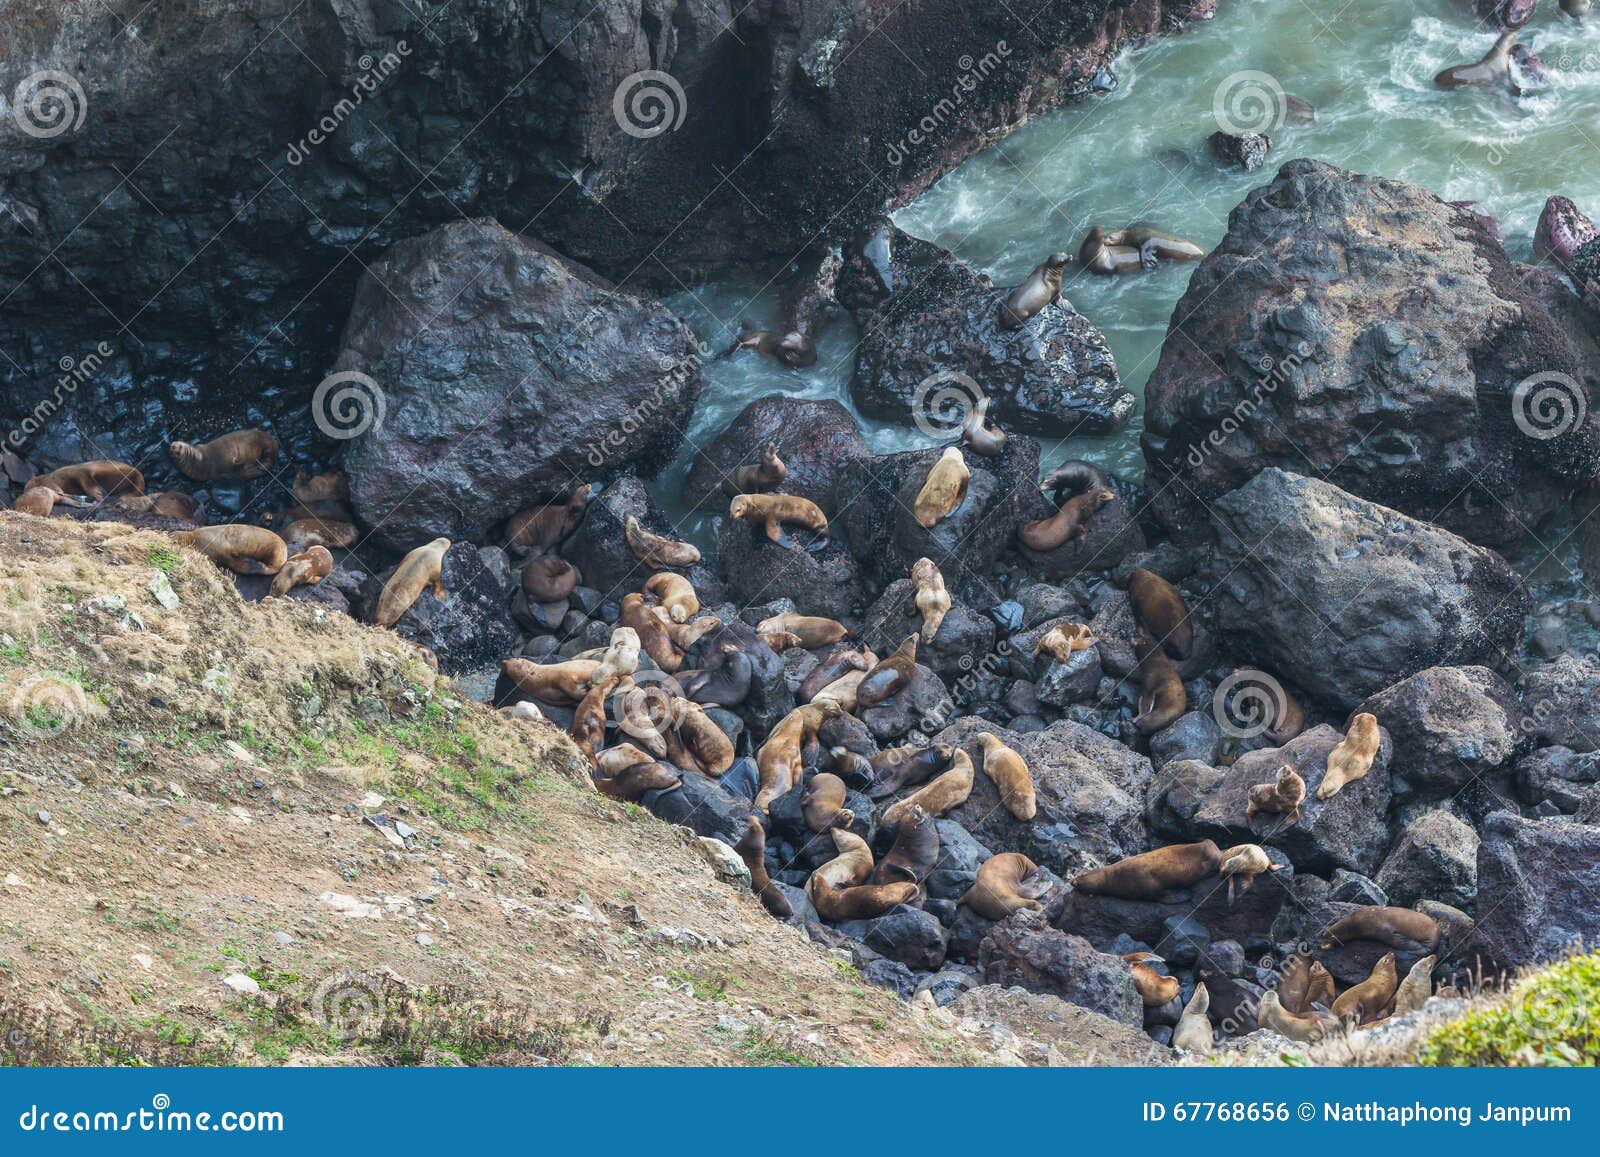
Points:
[(752, 849), (242, 548), (98, 479), (618, 757), (778, 760), (621, 656), (942, 794), (308, 568), (1006, 883), (548, 579), (653, 634), (564, 683), (1305, 982), (1010, 775), (308, 532), (1371, 999), (1493, 69), (1155, 990), (1304, 1028), (244, 454), (1152, 875), (767, 474), (890, 675), (1283, 797), (1039, 289), (707, 744), (418, 571), (41, 501), (656, 551), (634, 781), (811, 630), (166, 503), (1241, 865), (1352, 758), (772, 511), (822, 803), (588, 729), (914, 853), (863, 902), (1066, 523), (1133, 249), (1161, 611), (686, 635), (944, 490), (1193, 1034), (1162, 698), (852, 866), (844, 691), (982, 439), (1403, 928), (1416, 988), (1061, 642), (543, 528), (779, 641), (334, 486), (676, 593), (932, 600), (834, 667)]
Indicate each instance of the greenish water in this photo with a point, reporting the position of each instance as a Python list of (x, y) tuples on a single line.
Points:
[(1140, 154)]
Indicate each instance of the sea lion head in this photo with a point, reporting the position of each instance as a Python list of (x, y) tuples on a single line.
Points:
[(796, 350), (743, 506), (1058, 261)]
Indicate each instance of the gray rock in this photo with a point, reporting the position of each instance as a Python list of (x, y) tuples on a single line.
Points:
[(1176, 794), (599, 547), (1562, 703), (1434, 858), (824, 582), (1557, 774), (1450, 726), (922, 704), (1074, 681), (1537, 880), (960, 857), (909, 935), (815, 438), (1024, 950), (965, 637), (1191, 738)]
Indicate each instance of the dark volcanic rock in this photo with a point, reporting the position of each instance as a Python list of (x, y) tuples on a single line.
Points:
[(1247, 151), (1106, 539), (1178, 792), (703, 807), (1563, 229), (1450, 726), (1023, 949), (815, 439), (1562, 701), (1558, 774), (964, 637), (1345, 597), (1435, 858), (508, 375), (599, 547), (909, 935), (1370, 328), (826, 581), (1537, 880), (470, 629)]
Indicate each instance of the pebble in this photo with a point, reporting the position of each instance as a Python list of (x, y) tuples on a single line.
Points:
[(161, 590), (282, 939), (242, 984), (424, 940), (44, 817)]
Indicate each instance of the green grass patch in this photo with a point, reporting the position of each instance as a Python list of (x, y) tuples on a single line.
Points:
[(1551, 1017)]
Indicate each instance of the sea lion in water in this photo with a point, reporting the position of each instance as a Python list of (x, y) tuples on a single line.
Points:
[(944, 490), (1304, 1028), (1283, 797), (944, 793), (1152, 875), (166, 503), (1162, 697), (543, 528), (792, 348), (1066, 523), (563, 683), (767, 474), (1064, 640), (1577, 9), (418, 570), (904, 766), (822, 803), (1493, 70), (1006, 883), (1132, 249), (1193, 1034), (752, 849), (653, 634), (41, 501), (308, 568), (548, 579), (1352, 758), (1416, 988), (1241, 865), (1041, 288), (811, 630), (1155, 990), (243, 454), (915, 852), (983, 439), (1404, 929), (1371, 999), (890, 675), (773, 510), (1074, 477), (932, 600), (1161, 611), (99, 479), (1009, 773), (656, 551), (242, 548), (677, 594)]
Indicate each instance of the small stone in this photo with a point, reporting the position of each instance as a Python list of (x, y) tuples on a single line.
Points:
[(282, 939), (424, 940), (242, 984), (163, 593), (1549, 642), (44, 817)]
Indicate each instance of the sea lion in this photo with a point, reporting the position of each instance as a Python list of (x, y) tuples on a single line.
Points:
[(1042, 287), (617, 758), (243, 454), (548, 579), (1066, 523), (684, 636), (1132, 249), (1371, 999), (588, 729), (1162, 698), (752, 849), (41, 501), (652, 633), (543, 528), (835, 666), (303, 533), (851, 867), (1006, 883), (166, 503), (1193, 1034), (1304, 1028), (562, 683), (778, 761), (1577, 9), (1493, 69), (621, 656), (1152, 875), (863, 902), (794, 350), (1074, 477), (1155, 990), (1161, 611), (767, 474), (851, 766), (932, 600), (779, 641), (1241, 865), (242, 548), (811, 630), (914, 853), (1064, 640), (983, 439), (1416, 988), (1304, 982), (1009, 773), (772, 511), (904, 766), (676, 593), (634, 781), (945, 793), (1289, 722), (308, 568), (99, 479), (845, 691), (724, 682), (1404, 929), (417, 571), (1352, 758), (1283, 797), (890, 675), (333, 486), (656, 551), (822, 803), (944, 490), (703, 741)]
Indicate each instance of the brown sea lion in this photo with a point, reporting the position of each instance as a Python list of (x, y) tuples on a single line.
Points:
[(1155, 990), (851, 766), (822, 803), (1162, 698), (1304, 1028), (1074, 476), (1282, 797), (890, 675), (1006, 883), (41, 501), (652, 633), (1152, 875), (308, 568), (931, 598), (588, 729), (915, 852), (1352, 758), (618, 757), (1133, 249), (1305, 982), (767, 474), (419, 570), (835, 666), (243, 454), (242, 548), (779, 641), (1290, 721), (943, 491), (940, 795), (1010, 775), (1065, 524), (845, 691), (794, 350), (1061, 642), (752, 849), (778, 761), (772, 511), (982, 439), (863, 902), (98, 479), (901, 767), (657, 551), (563, 683), (634, 781), (1416, 988), (334, 486), (308, 532), (1371, 999), (707, 744), (1494, 69), (1161, 611), (686, 635), (1039, 289), (676, 593), (166, 503), (1402, 928), (543, 528), (1193, 1034), (1241, 865), (811, 630), (851, 867), (548, 579)]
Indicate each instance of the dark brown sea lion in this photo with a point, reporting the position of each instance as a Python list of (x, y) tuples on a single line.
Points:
[(905, 766), (543, 528), (588, 729), (1039, 289), (891, 674), (1152, 875), (1074, 477), (242, 548), (416, 572), (245, 454), (548, 579), (1282, 797), (1162, 698), (851, 766), (1066, 523), (983, 439), (98, 479), (822, 803), (772, 511), (1401, 928), (1006, 883), (308, 568), (915, 852), (840, 663), (767, 474), (1494, 69), (752, 849), (634, 781), (723, 682), (1161, 611)]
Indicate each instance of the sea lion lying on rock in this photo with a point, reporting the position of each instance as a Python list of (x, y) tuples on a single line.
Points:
[(243, 454)]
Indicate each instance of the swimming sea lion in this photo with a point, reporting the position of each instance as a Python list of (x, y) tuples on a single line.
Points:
[(1283, 797), (944, 490), (1577, 9), (1305, 1028), (244, 454), (1416, 988), (1132, 249), (308, 568), (1066, 523), (333, 486), (1352, 758), (773, 510), (1010, 775), (835, 666), (822, 803), (1162, 698), (548, 579), (863, 902), (983, 439), (1402, 928), (563, 683), (794, 350), (656, 551), (945, 793), (242, 548), (1152, 875), (904, 766), (1161, 611), (166, 503), (778, 760), (418, 570), (1006, 883), (543, 528), (99, 479), (1064, 640), (752, 849), (1371, 999), (1493, 69), (676, 593), (652, 633), (915, 852), (932, 600), (811, 630), (1193, 1034), (1241, 865), (890, 675), (1039, 289), (41, 501), (1155, 990), (1074, 477), (767, 474)]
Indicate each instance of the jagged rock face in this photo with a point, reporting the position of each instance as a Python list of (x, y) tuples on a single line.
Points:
[(1451, 725), (1345, 598), (1367, 330), (509, 376), (815, 438), (1536, 882)]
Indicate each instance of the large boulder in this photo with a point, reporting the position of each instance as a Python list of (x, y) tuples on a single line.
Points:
[(1435, 858), (1537, 882), (1371, 331), (1345, 598), (1563, 229), (963, 639), (1451, 726), (469, 629), (825, 581), (815, 438), (1025, 950), (1562, 701), (599, 547)]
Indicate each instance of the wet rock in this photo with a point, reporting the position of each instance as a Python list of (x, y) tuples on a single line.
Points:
[(1191, 738), (1543, 875), (1563, 229), (815, 438), (960, 857), (909, 935), (1450, 726), (1247, 151), (1024, 950), (1176, 795), (1434, 858), (599, 547), (702, 807), (825, 582), (922, 705), (1557, 774), (1562, 702), (965, 637), (471, 628), (1074, 681)]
